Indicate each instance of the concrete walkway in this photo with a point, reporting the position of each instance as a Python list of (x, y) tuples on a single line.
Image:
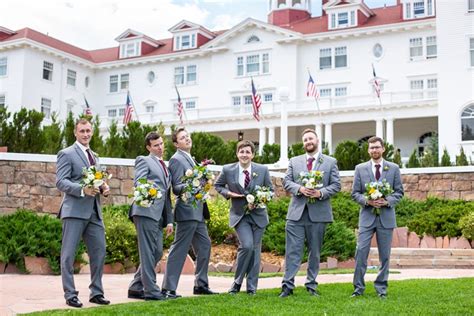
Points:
[(29, 293)]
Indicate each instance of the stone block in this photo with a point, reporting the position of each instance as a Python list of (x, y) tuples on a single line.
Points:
[(122, 173), (161, 266), (37, 265), (322, 265), (427, 242), (460, 243), (410, 186), (424, 185), (10, 202), (188, 267), (349, 264), (395, 241), (46, 179), (270, 268), (439, 242), (19, 190), (53, 192), (114, 268), (51, 167), (463, 252), (373, 241), (452, 195), (3, 189), (37, 190), (449, 176), (85, 269), (34, 202), (51, 204), (12, 269), (402, 233), (304, 267), (410, 178), (212, 268), (418, 263), (445, 242), (416, 195), (461, 185), (25, 178), (437, 194), (467, 196), (126, 187), (114, 183), (441, 185), (7, 174), (223, 267), (117, 199), (332, 263), (33, 166), (413, 240), (464, 176)]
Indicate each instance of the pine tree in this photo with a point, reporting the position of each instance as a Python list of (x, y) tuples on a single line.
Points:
[(113, 145), (413, 162), (97, 143), (446, 159), (397, 158), (68, 132), (53, 138), (461, 160)]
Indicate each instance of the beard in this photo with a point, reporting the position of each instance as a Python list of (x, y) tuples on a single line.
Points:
[(310, 148)]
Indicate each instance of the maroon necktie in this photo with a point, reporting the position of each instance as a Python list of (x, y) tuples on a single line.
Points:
[(247, 178), (310, 163), (377, 172), (164, 166), (89, 156)]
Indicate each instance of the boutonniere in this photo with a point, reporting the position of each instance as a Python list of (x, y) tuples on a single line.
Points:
[(385, 168), (254, 174), (320, 160)]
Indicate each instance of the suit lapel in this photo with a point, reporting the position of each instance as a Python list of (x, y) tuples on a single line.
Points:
[(383, 172), (368, 168), (81, 155), (253, 171), (236, 175), (188, 158), (161, 174), (319, 161)]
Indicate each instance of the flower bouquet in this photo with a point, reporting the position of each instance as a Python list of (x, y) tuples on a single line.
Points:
[(258, 198), (145, 193), (198, 181), (312, 180), (93, 177), (377, 190)]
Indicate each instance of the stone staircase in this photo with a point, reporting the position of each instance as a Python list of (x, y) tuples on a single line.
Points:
[(426, 258)]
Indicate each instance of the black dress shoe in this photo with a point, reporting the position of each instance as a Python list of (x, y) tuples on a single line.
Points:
[(99, 299), (170, 294), (382, 296), (252, 292), (140, 295), (201, 290), (160, 297), (285, 292), (74, 302), (356, 294), (235, 288), (312, 292)]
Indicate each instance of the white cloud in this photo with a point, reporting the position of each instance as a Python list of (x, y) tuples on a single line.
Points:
[(226, 21)]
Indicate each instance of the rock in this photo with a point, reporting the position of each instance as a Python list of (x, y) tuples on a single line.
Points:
[(222, 267), (212, 268), (349, 264), (402, 233), (36, 265), (268, 267), (427, 242), (113, 268), (332, 263), (413, 240)]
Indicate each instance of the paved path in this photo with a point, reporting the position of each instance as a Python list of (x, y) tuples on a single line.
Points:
[(29, 293)]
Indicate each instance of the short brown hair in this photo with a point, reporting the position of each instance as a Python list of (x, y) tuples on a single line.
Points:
[(309, 130), (245, 143), (174, 136), (82, 121), (375, 139), (151, 136)]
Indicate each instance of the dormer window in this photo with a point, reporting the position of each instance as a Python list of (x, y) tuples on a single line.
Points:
[(130, 49), (342, 19), (413, 9), (185, 41)]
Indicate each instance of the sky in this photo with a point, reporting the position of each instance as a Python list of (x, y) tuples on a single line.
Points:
[(94, 24)]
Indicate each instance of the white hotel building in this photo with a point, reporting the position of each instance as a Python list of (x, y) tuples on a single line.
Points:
[(422, 51)]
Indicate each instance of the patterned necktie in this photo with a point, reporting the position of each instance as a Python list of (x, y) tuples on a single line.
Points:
[(247, 178), (377, 172), (164, 166), (90, 158), (310, 163)]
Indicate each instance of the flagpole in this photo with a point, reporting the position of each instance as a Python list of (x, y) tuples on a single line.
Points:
[(316, 99), (133, 105)]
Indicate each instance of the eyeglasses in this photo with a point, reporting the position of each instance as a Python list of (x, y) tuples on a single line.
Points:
[(375, 147)]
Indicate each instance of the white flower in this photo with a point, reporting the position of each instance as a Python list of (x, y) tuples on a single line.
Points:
[(188, 173), (159, 195), (376, 195), (98, 183), (90, 177), (250, 198), (196, 183)]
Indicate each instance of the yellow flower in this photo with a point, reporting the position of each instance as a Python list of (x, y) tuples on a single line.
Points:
[(199, 196), (152, 192), (372, 190), (98, 175), (207, 187)]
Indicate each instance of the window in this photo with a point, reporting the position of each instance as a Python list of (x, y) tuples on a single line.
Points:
[(419, 8), (190, 104), (47, 71), (124, 81), (248, 99), (325, 58), (432, 86), (467, 123), (377, 50), (268, 97), (265, 63), (150, 77), (342, 19), (470, 6), (71, 78), (253, 39), (341, 57), (430, 7), (112, 112), (431, 48), (340, 91), (150, 108), (408, 10), (255, 64), (325, 92), (186, 41), (333, 21), (129, 49), (240, 66), (179, 75), (46, 107), (2, 101), (416, 86), (190, 77), (236, 101), (416, 48), (424, 141), (252, 64), (3, 66), (353, 20), (471, 50), (113, 85), (191, 74), (121, 112), (86, 81)]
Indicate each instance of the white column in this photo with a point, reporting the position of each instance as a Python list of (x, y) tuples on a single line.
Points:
[(328, 135), (271, 135), (284, 96), (319, 131), (389, 127), (262, 139), (379, 128)]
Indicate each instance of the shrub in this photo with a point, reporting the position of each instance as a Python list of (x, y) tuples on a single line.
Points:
[(345, 209), (413, 161), (347, 155), (270, 154), (274, 237), (428, 159), (407, 208), (296, 150), (466, 225), (339, 241), (446, 159), (397, 158), (461, 160), (218, 226)]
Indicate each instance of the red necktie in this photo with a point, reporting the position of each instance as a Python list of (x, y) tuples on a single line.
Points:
[(247, 178), (164, 166), (90, 158), (377, 172), (310, 163)]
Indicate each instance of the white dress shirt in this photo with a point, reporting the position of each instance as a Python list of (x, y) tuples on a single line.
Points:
[(242, 175)]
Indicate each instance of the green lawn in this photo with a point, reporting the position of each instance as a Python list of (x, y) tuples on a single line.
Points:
[(411, 297), (280, 274)]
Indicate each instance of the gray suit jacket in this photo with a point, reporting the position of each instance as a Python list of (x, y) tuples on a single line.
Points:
[(319, 211), (363, 174), (229, 181), (149, 167), (183, 211), (70, 162)]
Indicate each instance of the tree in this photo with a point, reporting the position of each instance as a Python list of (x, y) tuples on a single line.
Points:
[(428, 159), (270, 154), (208, 146), (5, 133), (133, 140), (26, 132), (68, 132), (170, 148), (296, 150), (434, 149), (96, 143), (446, 159), (53, 138), (461, 160), (413, 162), (113, 145), (397, 158), (347, 155)]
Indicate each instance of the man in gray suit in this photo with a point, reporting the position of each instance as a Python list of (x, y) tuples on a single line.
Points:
[(81, 215), (306, 220), (376, 216), (191, 229), (149, 221), (236, 181)]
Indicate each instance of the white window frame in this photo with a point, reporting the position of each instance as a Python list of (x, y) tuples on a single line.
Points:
[(46, 107), (326, 54), (3, 100), (121, 111), (130, 49), (185, 74), (471, 51), (416, 88), (124, 82), (113, 82), (425, 47), (425, 8), (49, 67), (112, 112), (470, 6), (71, 78), (150, 109), (259, 62), (267, 97), (340, 54), (333, 57), (325, 92), (431, 47), (185, 41), (3, 66), (336, 19), (191, 74), (432, 88), (416, 48)]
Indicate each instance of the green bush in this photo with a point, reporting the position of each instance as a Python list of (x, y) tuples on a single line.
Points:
[(27, 234), (441, 220), (339, 242), (347, 154), (407, 208), (218, 226), (466, 225), (274, 237), (413, 161), (270, 154), (446, 159), (461, 160), (345, 209)]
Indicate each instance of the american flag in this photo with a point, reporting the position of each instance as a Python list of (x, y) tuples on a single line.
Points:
[(312, 90), (257, 103), (376, 82), (128, 110), (87, 110), (179, 106)]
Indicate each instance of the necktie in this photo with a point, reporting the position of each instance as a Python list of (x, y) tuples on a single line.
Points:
[(310, 163), (164, 166), (377, 172), (90, 158), (247, 178)]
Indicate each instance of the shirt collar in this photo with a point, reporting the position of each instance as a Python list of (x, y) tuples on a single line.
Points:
[(315, 156), (374, 163), (82, 147), (249, 169)]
